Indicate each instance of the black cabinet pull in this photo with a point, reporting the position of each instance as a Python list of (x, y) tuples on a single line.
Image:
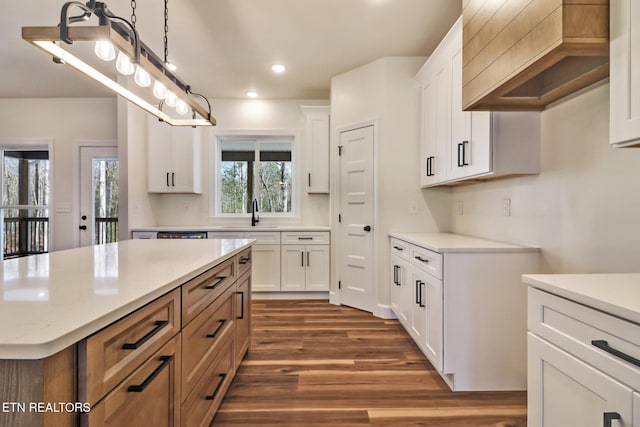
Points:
[(308, 262), (302, 259), (139, 388), (418, 292), (399, 276), (608, 417), (398, 248), (603, 345), (464, 153), (158, 326), (309, 180), (241, 306), (215, 285), (421, 304), (168, 179), (215, 333), (215, 392), (421, 259), (430, 166), (173, 179), (305, 238), (243, 261), (395, 275)]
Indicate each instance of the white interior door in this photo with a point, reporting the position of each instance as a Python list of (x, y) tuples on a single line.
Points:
[(98, 187), (356, 226)]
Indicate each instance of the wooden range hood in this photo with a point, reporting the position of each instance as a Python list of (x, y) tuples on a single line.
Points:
[(524, 54)]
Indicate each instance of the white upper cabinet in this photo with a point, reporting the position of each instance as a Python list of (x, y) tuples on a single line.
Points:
[(457, 144), (624, 73), (174, 158), (316, 144)]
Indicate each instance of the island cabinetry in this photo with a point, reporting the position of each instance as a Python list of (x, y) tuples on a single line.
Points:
[(591, 356), (243, 316), (111, 355), (198, 293), (149, 396)]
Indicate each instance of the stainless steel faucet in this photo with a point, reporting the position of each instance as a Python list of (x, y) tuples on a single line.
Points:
[(255, 218)]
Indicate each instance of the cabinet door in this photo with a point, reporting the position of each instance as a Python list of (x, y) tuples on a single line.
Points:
[(243, 316), (418, 307), (293, 267), (624, 91), (433, 170), (433, 329), (564, 391), (401, 291), (317, 149), (158, 156), (266, 268), (317, 264), (186, 143)]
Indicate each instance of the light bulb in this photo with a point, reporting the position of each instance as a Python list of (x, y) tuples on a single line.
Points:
[(159, 90), (170, 66), (105, 50), (142, 78), (171, 99), (124, 65), (181, 107)]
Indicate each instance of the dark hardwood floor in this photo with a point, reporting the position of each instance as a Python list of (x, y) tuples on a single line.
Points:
[(316, 364)]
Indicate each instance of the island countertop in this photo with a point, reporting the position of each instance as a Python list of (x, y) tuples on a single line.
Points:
[(51, 301)]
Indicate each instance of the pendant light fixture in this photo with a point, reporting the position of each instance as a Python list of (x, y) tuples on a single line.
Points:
[(116, 37)]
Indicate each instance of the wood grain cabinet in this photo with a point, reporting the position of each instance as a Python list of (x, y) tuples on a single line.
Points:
[(584, 366), (459, 146), (624, 80), (174, 156)]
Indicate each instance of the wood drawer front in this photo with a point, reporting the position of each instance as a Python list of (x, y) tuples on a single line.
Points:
[(244, 262), (201, 291), (426, 260), (573, 327), (148, 397), (305, 238), (202, 404), (264, 237), (400, 248), (202, 339), (109, 356)]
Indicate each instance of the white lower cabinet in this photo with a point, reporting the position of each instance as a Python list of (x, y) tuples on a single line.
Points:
[(462, 302), (266, 273), (583, 365), (305, 268)]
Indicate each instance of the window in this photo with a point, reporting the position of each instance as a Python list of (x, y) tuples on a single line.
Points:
[(257, 167)]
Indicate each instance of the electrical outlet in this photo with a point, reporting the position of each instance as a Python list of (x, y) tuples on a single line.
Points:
[(506, 207), (459, 208)]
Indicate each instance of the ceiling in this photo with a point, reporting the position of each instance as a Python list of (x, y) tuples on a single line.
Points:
[(224, 48)]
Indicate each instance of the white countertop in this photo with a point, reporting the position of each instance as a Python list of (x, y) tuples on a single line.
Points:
[(449, 242), (236, 228), (617, 294), (50, 301)]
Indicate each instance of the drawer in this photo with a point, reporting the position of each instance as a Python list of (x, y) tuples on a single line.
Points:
[(148, 397), (201, 291), (244, 262), (201, 405), (426, 260), (225, 235), (109, 356), (305, 238), (400, 248), (264, 237), (599, 339), (202, 338)]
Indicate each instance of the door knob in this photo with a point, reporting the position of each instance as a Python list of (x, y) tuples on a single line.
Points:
[(83, 227), (367, 228), (84, 217)]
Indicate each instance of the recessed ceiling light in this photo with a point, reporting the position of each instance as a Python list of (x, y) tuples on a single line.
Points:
[(278, 68), (252, 94)]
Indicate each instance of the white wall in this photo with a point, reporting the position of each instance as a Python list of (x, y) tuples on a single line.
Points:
[(189, 209), (67, 122), (582, 209), (386, 91)]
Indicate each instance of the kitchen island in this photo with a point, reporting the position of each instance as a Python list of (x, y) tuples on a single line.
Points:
[(77, 326)]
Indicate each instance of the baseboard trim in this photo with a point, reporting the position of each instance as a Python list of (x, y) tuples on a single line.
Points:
[(384, 311)]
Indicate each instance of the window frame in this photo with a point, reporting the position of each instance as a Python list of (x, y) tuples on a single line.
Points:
[(260, 137)]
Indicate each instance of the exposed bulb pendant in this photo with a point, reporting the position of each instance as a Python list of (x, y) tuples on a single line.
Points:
[(124, 65), (159, 90), (171, 100), (105, 50), (142, 78), (170, 66), (181, 107)]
